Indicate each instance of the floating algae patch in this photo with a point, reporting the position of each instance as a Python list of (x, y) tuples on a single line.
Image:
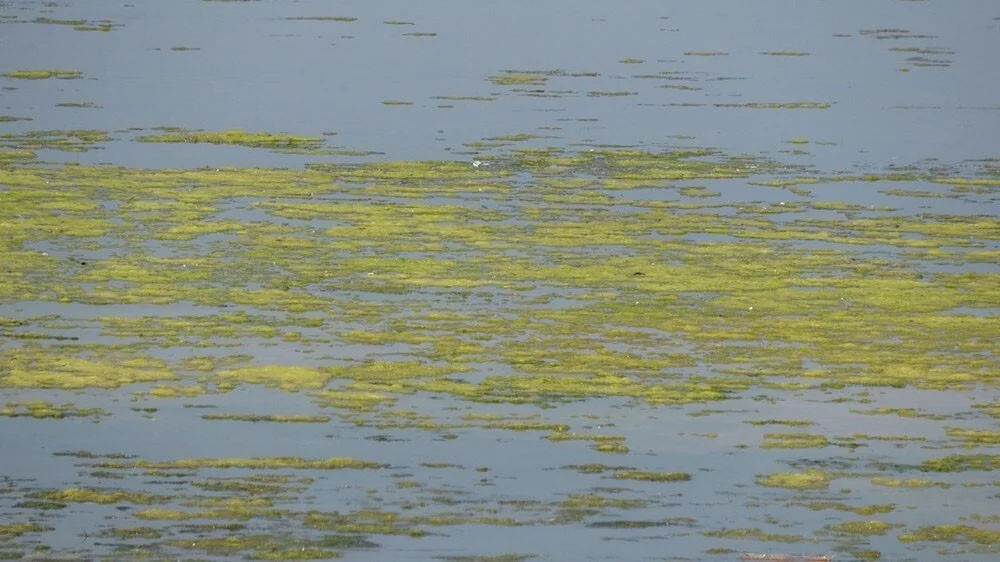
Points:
[(808, 480), (12, 530), (275, 418), (794, 423), (82, 105), (322, 18), (961, 463), (777, 105), (511, 78), (754, 534), (907, 483), (86, 495), (176, 391), (268, 463), (863, 528), (859, 510), (41, 409), (269, 547), (651, 476), (43, 73), (286, 377), (262, 139), (79, 140), (953, 533), (41, 368), (133, 533), (793, 441), (975, 437)]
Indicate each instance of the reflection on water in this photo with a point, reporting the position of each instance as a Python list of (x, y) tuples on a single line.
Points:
[(471, 281)]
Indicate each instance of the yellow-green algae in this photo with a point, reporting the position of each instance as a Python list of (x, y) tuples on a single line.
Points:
[(808, 480), (43, 73), (42, 409), (651, 476), (859, 510), (76, 140), (235, 136), (953, 533), (907, 483), (755, 534), (277, 418), (271, 463), (961, 463), (861, 527), (10, 530), (87, 495), (793, 441), (585, 298)]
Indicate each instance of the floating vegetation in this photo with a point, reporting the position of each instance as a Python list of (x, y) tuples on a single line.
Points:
[(80, 495), (397, 102), (598, 94), (464, 98), (82, 105), (651, 476), (295, 418), (43, 73), (755, 534), (79, 140), (519, 79), (907, 483), (773, 105), (322, 18), (705, 53), (864, 528), (808, 480), (40, 409), (859, 510), (269, 463), (785, 53), (440, 304), (953, 533), (793, 441), (236, 137), (961, 463)]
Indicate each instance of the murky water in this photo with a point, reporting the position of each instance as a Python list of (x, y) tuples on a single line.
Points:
[(480, 281)]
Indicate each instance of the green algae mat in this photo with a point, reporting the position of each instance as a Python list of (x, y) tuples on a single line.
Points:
[(259, 342)]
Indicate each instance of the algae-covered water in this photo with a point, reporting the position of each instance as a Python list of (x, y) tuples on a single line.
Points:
[(480, 281)]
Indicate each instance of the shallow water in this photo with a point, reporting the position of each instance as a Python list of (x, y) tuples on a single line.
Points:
[(557, 281)]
